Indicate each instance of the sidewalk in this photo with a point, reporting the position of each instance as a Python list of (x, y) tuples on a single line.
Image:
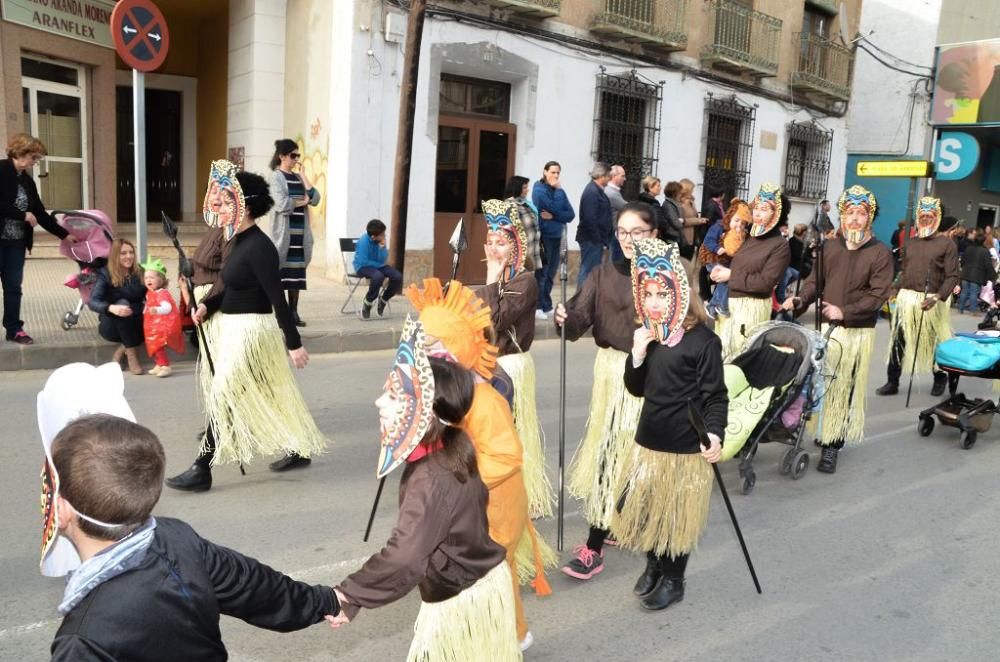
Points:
[(46, 300)]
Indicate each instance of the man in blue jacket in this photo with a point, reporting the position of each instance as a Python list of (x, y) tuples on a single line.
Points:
[(369, 262), (555, 212), (594, 233)]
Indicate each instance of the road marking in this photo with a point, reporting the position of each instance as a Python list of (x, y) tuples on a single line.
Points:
[(22, 629)]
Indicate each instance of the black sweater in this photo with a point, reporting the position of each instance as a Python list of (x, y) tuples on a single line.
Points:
[(253, 283), (9, 179), (977, 265), (667, 379), (168, 608)]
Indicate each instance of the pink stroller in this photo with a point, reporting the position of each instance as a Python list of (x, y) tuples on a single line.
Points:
[(92, 229)]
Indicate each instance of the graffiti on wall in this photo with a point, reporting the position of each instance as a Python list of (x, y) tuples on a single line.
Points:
[(314, 165)]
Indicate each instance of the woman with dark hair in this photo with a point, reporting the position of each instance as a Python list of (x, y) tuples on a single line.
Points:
[(667, 213), (290, 229), (118, 298), (517, 192), (253, 404)]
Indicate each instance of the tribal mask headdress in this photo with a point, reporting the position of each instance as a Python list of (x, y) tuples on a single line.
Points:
[(766, 209), (72, 391), (411, 382), (660, 288), (224, 204), (459, 319), (856, 228), (928, 216), (504, 219)]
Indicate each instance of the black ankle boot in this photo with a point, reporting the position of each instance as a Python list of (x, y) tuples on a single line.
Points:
[(668, 591), (828, 460), (290, 461), (649, 578), (940, 381), (196, 479), (889, 388)]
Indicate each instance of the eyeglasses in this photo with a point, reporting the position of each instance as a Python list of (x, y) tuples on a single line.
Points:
[(634, 234), (295, 155)]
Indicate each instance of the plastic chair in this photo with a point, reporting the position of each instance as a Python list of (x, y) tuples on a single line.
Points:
[(348, 246)]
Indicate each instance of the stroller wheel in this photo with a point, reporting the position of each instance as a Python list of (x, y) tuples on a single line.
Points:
[(69, 320), (925, 426), (787, 459), (799, 464), (968, 439), (749, 480)]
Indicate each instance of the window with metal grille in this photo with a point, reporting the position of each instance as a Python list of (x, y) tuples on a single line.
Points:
[(728, 145), (473, 96), (627, 125), (807, 163)]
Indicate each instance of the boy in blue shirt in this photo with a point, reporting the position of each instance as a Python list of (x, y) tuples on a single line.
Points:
[(369, 262)]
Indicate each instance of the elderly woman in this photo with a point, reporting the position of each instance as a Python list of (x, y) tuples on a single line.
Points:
[(667, 217), (20, 211), (118, 298)]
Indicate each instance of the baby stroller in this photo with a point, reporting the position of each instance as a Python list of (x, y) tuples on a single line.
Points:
[(972, 355), (92, 229), (774, 386)]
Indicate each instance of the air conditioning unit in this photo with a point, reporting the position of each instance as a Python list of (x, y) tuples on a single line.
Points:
[(395, 28)]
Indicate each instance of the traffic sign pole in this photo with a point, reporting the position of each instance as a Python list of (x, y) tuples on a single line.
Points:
[(139, 132)]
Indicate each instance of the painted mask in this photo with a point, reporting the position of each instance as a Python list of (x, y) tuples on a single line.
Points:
[(410, 383), (928, 216), (504, 220), (224, 204), (72, 391), (857, 208), (660, 288), (766, 209)]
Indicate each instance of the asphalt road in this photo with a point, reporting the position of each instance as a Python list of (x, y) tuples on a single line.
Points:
[(890, 559)]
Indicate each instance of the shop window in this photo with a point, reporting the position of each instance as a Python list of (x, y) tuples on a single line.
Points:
[(49, 71), (728, 145), (807, 161), (473, 96)]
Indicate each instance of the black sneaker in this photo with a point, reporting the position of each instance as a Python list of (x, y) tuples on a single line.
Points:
[(290, 461), (889, 388), (380, 308), (585, 564), (196, 479), (828, 460), (366, 309)]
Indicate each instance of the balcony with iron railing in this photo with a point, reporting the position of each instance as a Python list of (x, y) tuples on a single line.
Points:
[(824, 67), (742, 40), (656, 23), (537, 8)]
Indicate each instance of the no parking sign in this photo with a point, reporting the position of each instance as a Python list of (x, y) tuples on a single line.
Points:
[(140, 34)]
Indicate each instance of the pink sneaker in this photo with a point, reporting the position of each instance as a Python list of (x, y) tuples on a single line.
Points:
[(586, 564)]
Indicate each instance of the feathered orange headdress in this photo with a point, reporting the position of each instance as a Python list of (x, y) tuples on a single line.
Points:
[(458, 319)]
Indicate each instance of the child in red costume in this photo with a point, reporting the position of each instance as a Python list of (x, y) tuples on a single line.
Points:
[(161, 319)]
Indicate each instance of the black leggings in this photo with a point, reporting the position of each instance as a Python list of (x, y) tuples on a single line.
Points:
[(673, 566)]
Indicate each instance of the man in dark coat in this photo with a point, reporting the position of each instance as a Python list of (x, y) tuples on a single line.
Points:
[(596, 221)]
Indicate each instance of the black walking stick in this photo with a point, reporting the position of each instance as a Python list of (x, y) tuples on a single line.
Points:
[(563, 277), (699, 425), (920, 329), (371, 518)]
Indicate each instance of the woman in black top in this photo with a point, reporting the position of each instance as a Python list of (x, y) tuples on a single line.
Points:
[(118, 298), (253, 404), (20, 211)]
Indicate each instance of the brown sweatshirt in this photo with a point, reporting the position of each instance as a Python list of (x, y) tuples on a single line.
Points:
[(207, 258), (759, 266), (858, 282), (441, 541), (604, 303), (513, 312), (933, 260)]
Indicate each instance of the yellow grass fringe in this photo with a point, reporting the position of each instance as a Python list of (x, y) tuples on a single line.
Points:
[(842, 413), (665, 502), (608, 437), (210, 329), (534, 554), (476, 624), (253, 402), (906, 319), (746, 314), (541, 496)]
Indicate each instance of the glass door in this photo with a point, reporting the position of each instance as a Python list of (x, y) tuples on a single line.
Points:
[(54, 104)]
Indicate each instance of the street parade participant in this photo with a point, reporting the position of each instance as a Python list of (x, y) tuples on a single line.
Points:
[(441, 540), (666, 482), (929, 275), (253, 405), (455, 323), (755, 270), (605, 304), (853, 277), (161, 318), (511, 292), (138, 586)]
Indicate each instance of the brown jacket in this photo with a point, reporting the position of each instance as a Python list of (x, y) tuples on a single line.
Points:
[(604, 303), (932, 261), (513, 312), (441, 541), (759, 266), (858, 282), (207, 258)]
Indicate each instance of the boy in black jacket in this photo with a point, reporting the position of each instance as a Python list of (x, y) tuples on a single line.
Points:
[(147, 588)]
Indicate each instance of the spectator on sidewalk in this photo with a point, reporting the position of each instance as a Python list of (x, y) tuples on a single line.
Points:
[(596, 221), (118, 298), (613, 189), (20, 211), (517, 192), (370, 262), (694, 224), (555, 213), (977, 269)]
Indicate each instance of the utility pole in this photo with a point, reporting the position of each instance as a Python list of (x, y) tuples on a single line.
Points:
[(404, 141)]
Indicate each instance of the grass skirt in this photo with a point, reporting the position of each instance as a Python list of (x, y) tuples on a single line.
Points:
[(665, 498), (746, 314), (607, 440), (253, 403), (842, 410), (476, 624), (210, 330), (906, 320), (541, 497)]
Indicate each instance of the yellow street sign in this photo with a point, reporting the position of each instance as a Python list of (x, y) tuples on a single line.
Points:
[(895, 168)]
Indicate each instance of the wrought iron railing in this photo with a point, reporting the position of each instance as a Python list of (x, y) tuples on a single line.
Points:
[(544, 7), (824, 66), (744, 37), (659, 21), (728, 145)]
